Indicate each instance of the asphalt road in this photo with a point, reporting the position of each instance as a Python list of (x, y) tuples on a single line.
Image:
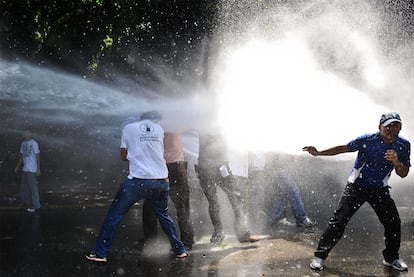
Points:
[(54, 240)]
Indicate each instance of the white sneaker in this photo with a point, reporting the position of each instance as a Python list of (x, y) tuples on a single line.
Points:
[(95, 258), (397, 264), (316, 263), (285, 222)]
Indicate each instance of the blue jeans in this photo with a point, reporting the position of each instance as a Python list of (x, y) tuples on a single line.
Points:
[(287, 192), (155, 192), (180, 196)]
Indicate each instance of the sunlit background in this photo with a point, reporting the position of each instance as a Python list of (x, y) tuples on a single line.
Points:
[(320, 75)]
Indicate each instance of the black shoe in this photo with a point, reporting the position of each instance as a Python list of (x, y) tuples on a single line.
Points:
[(249, 239), (307, 223)]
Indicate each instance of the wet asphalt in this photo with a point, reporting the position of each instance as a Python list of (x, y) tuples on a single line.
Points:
[(54, 240)]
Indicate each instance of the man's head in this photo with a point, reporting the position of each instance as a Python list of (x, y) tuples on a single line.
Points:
[(151, 115), (390, 126), (388, 118), (27, 135)]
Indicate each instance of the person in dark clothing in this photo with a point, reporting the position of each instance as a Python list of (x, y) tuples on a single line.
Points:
[(378, 155), (213, 171)]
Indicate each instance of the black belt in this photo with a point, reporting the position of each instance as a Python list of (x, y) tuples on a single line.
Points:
[(178, 162), (162, 179)]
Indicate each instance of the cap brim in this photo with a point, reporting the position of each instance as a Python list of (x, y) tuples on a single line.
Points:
[(389, 121)]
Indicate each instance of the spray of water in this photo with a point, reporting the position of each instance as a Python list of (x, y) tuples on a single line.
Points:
[(319, 73), (294, 73), (77, 122)]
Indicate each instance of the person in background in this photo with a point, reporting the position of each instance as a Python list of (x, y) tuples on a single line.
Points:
[(179, 192), (267, 169), (213, 171), (285, 192), (378, 155), (143, 147), (30, 158)]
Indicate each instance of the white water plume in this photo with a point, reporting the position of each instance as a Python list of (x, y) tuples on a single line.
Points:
[(49, 101), (317, 74)]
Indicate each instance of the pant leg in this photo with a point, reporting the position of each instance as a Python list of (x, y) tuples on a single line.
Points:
[(180, 196), (34, 191), (208, 181), (149, 221), (351, 200), (25, 190), (129, 192), (231, 186), (159, 202), (277, 209), (293, 196), (277, 199), (384, 207)]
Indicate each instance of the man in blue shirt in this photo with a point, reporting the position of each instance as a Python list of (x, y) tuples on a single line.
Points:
[(378, 155)]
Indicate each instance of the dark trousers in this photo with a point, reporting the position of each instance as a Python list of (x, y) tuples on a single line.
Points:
[(180, 196), (210, 178), (352, 199)]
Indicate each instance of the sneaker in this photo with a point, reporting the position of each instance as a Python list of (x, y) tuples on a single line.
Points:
[(217, 238), (95, 258), (316, 263), (285, 222), (30, 210), (246, 237), (397, 264), (182, 255), (307, 223)]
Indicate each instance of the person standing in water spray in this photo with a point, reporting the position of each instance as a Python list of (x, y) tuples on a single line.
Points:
[(30, 158), (378, 155), (213, 171), (285, 192), (143, 147)]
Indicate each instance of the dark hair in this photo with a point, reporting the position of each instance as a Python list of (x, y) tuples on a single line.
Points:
[(151, 115)]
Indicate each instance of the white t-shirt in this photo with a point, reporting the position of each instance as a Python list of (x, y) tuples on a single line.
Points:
[(143, 141), (29, 149)]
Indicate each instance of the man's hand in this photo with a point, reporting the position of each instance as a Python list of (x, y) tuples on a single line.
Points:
[(400, 169), (391, 155), (311, 150)]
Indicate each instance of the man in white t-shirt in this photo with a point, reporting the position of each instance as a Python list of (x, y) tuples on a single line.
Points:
[(143, 147), (30, 158)]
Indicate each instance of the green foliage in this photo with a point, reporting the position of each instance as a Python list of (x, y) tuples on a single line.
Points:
[(98, 2), (108, 41), (93, 35)]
